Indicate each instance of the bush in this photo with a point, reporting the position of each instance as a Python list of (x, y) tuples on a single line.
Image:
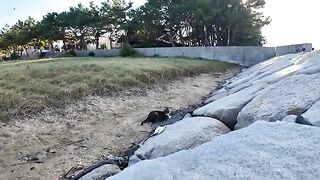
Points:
[(14, 56), (91, 54), (4, 116), (5, 58), (127, 50), (42, 55), (103, 46), (71, 53)]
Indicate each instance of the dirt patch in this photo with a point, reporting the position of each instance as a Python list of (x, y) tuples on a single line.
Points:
[(53, 143)]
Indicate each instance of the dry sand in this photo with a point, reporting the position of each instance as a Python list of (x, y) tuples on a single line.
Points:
[(91, 129)]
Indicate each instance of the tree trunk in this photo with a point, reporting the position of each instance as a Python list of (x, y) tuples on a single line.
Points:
[(97, 40), (181, 37), (110, 41), (206, 41), (233, 38), (170, 39), (26, 49), (82, 43), (64, 45), (51, 47)]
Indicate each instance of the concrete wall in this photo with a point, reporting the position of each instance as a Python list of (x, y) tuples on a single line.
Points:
[(99, 53), (239, 55), (47, 55), (243, 55), (296, 48)]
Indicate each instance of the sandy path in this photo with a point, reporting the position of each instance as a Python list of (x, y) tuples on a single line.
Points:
[(102, 126)]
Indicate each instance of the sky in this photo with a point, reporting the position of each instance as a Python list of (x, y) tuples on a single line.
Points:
[(293, 21)]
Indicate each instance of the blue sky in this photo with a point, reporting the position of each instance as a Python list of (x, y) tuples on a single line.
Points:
[(12, 10), (293, 21)]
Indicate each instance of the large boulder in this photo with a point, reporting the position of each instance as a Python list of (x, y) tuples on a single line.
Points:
[(264, 150), (226, 109), (133, 160), (312, 116), (293, 95), (102, 172), (303, 64), (221, 93), (290, 118), (277, 69), (185, 134), (271, 71), (263, 69)]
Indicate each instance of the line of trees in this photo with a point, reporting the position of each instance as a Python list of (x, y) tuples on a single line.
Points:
[(156, 23)]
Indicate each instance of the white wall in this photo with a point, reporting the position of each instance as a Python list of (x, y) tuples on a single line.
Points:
[(243, 55), (296, 48)]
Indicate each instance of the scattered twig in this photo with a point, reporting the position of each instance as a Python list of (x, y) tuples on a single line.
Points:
[(70, 173), (32, 158), (26, 162), (91, 168)]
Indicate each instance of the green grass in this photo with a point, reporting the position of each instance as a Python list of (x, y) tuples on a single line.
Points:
[(28, 87)]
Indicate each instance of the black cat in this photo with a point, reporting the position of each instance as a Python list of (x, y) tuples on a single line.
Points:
[(156, 116)]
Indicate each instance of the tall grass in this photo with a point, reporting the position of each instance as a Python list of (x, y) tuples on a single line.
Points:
[(27, 88)]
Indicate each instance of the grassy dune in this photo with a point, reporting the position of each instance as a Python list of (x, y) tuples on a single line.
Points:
[(28, 87)]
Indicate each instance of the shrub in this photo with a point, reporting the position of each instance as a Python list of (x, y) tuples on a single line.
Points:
[(14, 56), (103, 46), (5, 58), (57, 49), (127, 50), (4, 116), (91, 54), (42, 55)]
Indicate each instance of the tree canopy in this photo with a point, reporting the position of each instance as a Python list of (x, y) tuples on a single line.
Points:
[(200, 23), (156, 23)]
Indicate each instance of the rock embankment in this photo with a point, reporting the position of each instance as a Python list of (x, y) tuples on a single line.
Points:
[(264, 150), (269, 91), (185, 134), (274, 108)]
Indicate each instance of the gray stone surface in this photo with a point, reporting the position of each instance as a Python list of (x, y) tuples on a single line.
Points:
[(133, 160), (276, 69), (290, 118), (185, 134), (310, 70), (226, 109), (221, 93), (303, 64), (264, 150), (102, 172), (293, 95), (187, 115), (313, 114), (262, 70)]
